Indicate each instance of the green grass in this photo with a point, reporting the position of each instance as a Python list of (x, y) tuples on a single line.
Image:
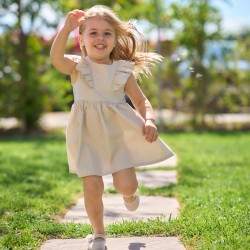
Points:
[(35, 186), (213, 189)]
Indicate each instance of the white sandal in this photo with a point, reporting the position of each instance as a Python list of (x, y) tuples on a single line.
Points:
[(132, 206), (96, 245)]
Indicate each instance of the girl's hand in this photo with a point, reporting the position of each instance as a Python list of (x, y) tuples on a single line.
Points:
[(74, 19), (150, 131)]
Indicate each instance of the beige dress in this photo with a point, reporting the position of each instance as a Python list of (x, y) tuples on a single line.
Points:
[(104, 134)]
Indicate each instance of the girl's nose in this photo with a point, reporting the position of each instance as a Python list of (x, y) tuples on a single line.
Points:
[(101, 37)]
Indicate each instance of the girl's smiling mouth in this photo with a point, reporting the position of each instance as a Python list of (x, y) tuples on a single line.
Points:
[(100, 46)]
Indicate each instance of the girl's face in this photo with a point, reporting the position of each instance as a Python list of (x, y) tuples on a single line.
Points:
[(99, 40)]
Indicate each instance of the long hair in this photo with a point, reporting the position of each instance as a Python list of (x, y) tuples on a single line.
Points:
[(130, 43)]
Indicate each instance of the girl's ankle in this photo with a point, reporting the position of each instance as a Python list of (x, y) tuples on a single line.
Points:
[(100, 233)]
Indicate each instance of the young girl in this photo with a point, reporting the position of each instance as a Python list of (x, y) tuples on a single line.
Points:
[(105, 135)]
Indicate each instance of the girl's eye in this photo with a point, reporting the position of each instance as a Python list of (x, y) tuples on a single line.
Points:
[(107, 34), (93, 33)]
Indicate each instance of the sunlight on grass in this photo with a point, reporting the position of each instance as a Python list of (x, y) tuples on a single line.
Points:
[(213, 186), (214, 173)]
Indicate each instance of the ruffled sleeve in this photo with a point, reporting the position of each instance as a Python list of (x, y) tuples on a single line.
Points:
[(85, 72), (76, 58), (123, 70)]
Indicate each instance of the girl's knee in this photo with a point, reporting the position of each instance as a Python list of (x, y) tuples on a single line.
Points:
[(93, 185), (126, 188), (125, 181), (130, 190)]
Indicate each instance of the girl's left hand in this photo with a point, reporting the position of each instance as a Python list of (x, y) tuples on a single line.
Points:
[(150, 131), (74, 19)]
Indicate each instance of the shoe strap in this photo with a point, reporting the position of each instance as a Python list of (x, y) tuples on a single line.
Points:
[(95, 236), (128, 196)]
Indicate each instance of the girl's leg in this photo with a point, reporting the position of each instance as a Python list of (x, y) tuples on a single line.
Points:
[(93, 190), (125, 182)]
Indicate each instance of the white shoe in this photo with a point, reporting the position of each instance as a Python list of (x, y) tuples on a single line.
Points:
[(96, 241), (132, 206)]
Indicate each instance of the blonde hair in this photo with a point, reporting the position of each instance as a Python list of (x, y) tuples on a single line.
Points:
[(130, 44)]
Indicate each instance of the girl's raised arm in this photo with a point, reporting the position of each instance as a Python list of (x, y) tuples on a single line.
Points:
[(57, 53)]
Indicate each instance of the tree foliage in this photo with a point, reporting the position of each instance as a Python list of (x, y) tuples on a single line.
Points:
[(29, 86), (23, 55), (188, 79), (199, 23)]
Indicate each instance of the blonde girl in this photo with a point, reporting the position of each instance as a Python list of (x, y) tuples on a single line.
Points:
[(104, 134)]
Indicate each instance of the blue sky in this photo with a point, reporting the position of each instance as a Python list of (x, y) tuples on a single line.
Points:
[(235, 14)]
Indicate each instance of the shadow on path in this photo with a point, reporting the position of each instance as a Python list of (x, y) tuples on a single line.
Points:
[(136, 246)]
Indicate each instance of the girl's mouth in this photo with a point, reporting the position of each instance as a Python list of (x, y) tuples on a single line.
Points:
[(100, 46)]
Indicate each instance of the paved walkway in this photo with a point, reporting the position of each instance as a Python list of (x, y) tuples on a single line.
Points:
[(151, 207), (60, 119), (135, 243)]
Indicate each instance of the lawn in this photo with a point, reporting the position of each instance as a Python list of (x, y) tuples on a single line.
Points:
[(213, 189)]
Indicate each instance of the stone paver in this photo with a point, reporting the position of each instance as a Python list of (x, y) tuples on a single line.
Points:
[(151, 207), (135, 243), (151, 179)]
